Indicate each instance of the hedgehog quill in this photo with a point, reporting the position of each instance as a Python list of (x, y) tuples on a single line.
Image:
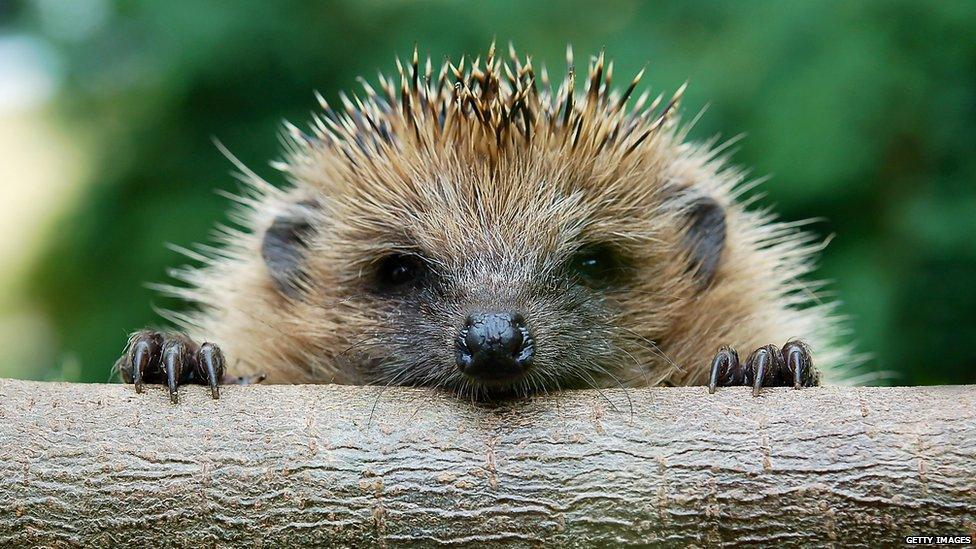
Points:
[(492, 232)]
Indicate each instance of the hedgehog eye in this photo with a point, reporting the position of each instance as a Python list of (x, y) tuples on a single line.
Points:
[(399, 270), (597, 264)]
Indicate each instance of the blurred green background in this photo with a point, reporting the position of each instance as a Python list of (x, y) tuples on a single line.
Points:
[(863, 113)]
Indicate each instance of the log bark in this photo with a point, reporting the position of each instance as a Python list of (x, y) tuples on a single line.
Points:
[(99, 465)]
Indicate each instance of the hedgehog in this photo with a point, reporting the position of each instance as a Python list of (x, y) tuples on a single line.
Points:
[(491, 232)]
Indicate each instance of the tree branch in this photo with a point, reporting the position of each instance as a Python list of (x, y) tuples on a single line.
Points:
[(101, 465)]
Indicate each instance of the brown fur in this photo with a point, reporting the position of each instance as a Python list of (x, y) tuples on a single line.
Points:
[(481, 168)]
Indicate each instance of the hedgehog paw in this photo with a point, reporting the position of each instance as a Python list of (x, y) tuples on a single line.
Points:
[(175, 359), (767, 366)]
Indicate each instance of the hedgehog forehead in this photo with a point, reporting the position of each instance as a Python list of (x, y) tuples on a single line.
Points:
[(447, 217), (508, 218), (499, 226)]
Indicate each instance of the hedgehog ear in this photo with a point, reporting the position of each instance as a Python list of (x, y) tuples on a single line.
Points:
[(285, 244), (704, 237)]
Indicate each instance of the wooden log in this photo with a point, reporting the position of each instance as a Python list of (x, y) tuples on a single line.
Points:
[(100, 465)]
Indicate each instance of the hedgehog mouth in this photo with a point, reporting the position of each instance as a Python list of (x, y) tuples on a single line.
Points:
[(479, 390), (501, 385)]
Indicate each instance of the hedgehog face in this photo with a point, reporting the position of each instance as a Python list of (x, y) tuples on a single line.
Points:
[(494, 320), (487, 291), (495, 236), (485, 310)]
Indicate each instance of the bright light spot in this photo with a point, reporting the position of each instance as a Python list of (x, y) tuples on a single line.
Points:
[(72, 20), (30, 72)]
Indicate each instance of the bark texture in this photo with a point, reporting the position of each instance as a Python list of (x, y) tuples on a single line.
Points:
[(99, 465)]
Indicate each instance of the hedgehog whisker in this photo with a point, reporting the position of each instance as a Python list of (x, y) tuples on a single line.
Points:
[(589, 380), (641, 367), (357, 344), (630, 401), (401, 372), (653, 346)]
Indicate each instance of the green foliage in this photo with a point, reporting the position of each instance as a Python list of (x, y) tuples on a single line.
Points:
[(863, 113)]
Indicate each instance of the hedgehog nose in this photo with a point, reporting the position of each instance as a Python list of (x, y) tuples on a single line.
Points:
[(495, 346)]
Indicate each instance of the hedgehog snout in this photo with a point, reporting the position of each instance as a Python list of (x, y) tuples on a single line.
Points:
[(495, 347)]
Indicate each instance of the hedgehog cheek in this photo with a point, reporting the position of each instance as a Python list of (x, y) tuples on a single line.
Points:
[(284, 246), (705, 238)]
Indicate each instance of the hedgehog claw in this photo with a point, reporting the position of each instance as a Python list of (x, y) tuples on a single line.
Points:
[(796, 354), (173, 359), (767, 366), (140, 360), (210, 367), (759, 363), (724, 366), (174, 397)]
